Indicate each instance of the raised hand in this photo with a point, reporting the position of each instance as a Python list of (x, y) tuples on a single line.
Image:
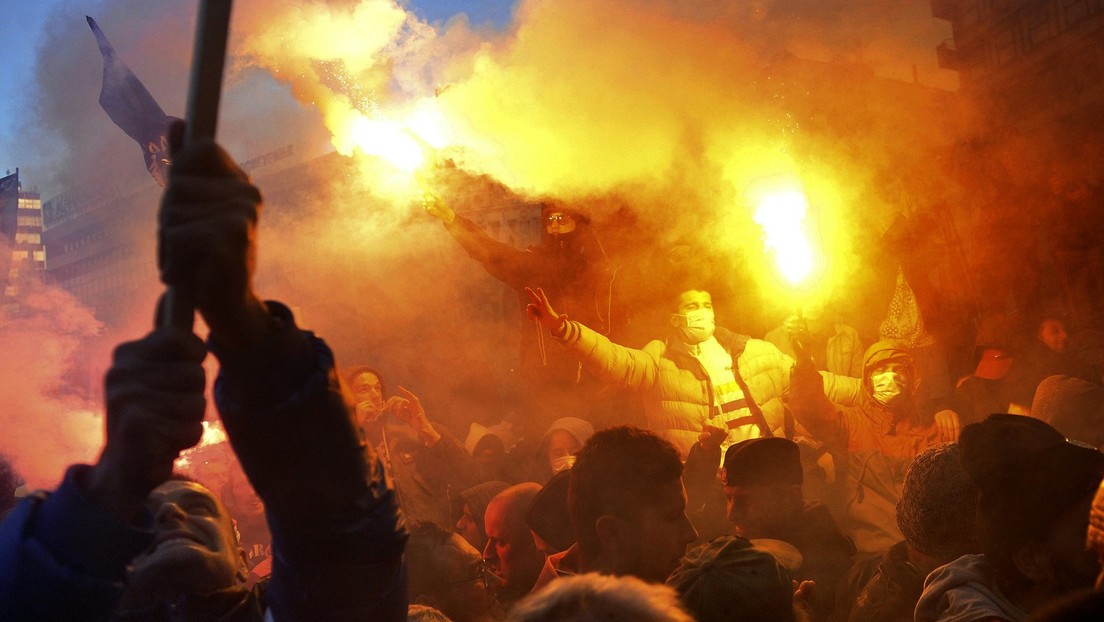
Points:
[(541, 310), (437, 208), (408, 409), (207, 240), (155, 407)]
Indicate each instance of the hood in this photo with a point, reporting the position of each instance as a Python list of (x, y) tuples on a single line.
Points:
[(883, 351), (581, 430), (964, 591)]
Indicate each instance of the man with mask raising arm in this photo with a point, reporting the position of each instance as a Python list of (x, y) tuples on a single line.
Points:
[(873, 441), (701, 382)]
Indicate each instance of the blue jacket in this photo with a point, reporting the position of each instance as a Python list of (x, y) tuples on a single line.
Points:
[(337, 532)]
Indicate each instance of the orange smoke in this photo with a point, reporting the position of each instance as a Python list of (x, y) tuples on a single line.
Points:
[(45, 430)]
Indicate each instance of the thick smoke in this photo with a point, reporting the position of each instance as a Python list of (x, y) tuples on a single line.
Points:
[(653, 116), (45, 428)]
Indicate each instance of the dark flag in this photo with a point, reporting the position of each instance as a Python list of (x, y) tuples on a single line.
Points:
[(9, 219), (125, 99)]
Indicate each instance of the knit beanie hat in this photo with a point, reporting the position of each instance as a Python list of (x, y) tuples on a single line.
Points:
[(936, 508), (478, 497), (730, 580), (1075, 407), (1027, 475), (580, 429)]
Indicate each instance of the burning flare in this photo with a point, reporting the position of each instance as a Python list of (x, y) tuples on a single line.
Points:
[(780, 210)]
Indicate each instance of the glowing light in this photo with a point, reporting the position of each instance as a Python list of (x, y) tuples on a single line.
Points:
[(212, 434), (389, 140), (780, 209)]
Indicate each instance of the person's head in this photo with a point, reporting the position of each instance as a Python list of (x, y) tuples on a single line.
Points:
[(1034, 493), (628, 504), (511, 552), (693, 316), (194, 551), (366, 385), (548, 517), (1052, 332), (474, 505), (889, 375), (563, 440), (729, 579), (445, 572), (557, 220), (936, 508), (762, 480), (601, 598), (1075, 407)]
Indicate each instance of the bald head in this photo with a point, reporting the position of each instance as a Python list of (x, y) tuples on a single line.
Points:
[(511, 552)]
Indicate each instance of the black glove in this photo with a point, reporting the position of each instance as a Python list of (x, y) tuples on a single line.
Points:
[(207, 237), (155, 406)]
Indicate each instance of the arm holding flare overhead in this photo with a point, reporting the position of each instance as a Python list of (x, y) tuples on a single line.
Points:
[(507, 264), (337, 533)]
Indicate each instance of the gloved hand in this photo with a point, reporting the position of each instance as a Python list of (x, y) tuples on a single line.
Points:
[(437, 208), (798, 331), (155, 406), (712, 436), (207, 240), (541, 310)]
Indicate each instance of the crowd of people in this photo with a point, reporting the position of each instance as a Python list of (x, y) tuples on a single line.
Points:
[(798, 477)]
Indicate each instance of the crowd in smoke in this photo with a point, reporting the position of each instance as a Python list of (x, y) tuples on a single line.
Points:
[(498, 415)]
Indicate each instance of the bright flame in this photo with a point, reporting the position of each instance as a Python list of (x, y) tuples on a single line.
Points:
[(212, 434), (392, 141), (781, 211)]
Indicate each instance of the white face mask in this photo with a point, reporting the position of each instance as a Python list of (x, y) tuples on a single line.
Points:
[(563, 463), (695, 326), (888, 386)]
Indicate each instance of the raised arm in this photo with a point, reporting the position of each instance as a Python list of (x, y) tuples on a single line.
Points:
[(606, 360), (64, 556), (513, 267), (807, 399), (336, 529)]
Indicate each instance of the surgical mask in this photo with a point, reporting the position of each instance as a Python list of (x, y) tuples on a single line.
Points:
[(695, 326), (562, 463), (888, 387)]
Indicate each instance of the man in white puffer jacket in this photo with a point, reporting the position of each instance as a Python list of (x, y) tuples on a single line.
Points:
[(701, 380)]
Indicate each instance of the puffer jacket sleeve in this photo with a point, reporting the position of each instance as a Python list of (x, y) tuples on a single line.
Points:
[(610, 362), (337, 533)]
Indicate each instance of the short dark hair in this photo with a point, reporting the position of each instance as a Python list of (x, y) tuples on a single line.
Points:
[(422, 557), (616, 472), (352, 373), (682, 288)]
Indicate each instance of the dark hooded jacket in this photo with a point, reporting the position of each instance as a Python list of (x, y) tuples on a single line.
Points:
[(572, 270), (871, 446)]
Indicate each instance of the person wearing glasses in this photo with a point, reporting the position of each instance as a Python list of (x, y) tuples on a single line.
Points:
[(448, 574)]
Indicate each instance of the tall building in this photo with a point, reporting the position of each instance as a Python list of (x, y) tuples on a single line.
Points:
[(100, 246), (1029, 63), (23, 234)]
